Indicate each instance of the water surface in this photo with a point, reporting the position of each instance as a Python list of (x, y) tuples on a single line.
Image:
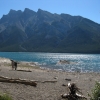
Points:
[(82, 62)]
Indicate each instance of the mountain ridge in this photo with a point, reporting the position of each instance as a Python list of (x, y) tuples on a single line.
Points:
[(43, 31)]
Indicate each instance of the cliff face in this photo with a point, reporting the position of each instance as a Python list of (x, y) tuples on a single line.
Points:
[(46, 32)]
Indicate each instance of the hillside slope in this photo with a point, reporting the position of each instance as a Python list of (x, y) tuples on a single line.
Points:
[(43, 31)]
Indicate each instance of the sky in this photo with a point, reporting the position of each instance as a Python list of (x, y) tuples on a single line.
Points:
[(86, 8)]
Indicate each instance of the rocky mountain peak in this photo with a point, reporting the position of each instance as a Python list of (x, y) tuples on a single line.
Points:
[(43, 31), (28, 11), (14, 12), (39, 10)]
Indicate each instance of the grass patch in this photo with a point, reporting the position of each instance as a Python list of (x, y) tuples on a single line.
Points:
[(5, 97), (96, 92)]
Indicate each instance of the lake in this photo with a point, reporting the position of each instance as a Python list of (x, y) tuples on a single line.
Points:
[(79, 62)]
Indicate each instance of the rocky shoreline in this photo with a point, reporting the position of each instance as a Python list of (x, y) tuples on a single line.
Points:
[(50, 83)]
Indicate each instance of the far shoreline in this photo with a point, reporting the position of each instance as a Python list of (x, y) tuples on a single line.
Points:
[(54, 52)]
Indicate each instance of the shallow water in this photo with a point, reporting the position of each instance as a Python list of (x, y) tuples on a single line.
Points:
[(79, 62)]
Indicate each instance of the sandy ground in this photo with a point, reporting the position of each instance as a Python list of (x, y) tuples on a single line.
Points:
[(47, 90)]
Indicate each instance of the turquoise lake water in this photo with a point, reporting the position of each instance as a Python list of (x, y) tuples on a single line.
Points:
[(82, 62)]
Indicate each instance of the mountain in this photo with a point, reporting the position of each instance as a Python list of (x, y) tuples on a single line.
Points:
[(43, 31)]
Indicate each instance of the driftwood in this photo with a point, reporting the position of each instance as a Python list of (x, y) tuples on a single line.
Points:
[(24, 70), (72, 95), (22, 81), (49, 81), (68, 79)]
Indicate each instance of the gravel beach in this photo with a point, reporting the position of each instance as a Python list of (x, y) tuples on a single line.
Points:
[(50, 83)]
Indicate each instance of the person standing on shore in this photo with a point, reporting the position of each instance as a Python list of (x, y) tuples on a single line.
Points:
[(14, 65)]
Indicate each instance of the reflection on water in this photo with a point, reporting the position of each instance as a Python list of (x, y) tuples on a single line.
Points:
[(82, 62)]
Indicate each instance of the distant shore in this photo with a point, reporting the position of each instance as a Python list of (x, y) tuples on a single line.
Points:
[(50, 83)]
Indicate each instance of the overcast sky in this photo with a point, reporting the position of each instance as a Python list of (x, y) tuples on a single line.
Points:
[(86, 8)]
